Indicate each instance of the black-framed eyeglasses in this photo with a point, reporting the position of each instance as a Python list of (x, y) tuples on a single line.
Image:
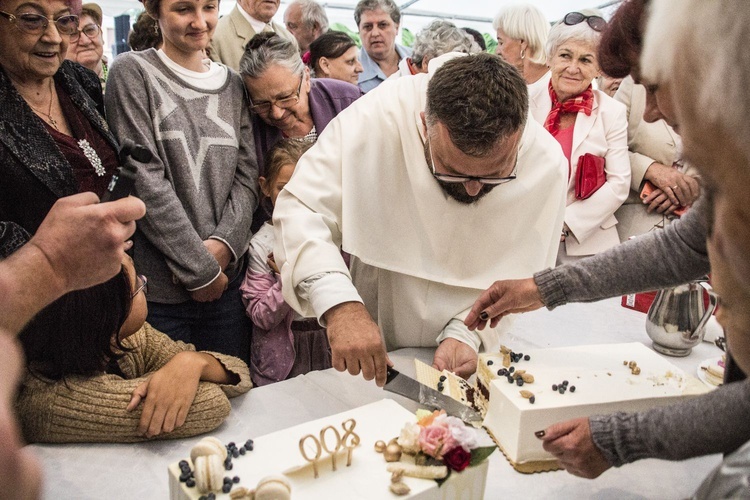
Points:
[(460, 179), (283, 103), (91, 30), (597, 23), (36, 24), (142, 285)]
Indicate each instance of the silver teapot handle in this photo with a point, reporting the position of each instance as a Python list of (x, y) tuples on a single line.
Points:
[(713, 301)]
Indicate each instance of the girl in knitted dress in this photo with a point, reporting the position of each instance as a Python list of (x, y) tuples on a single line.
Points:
[(97, 372), (284, 344)]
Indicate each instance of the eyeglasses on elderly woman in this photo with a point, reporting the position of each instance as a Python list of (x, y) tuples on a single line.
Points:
[(36, 24), (597, 23), (91, 30), (262, 107)]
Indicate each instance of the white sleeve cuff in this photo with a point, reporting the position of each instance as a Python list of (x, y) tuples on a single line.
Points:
[(455, 329), (326, 290)]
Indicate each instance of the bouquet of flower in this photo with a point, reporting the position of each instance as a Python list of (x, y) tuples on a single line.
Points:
[(436, 437)]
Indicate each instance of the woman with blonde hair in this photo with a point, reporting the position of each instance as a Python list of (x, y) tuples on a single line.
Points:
[(522, 32)]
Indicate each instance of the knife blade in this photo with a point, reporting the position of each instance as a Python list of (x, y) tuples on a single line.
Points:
[(399, 383)]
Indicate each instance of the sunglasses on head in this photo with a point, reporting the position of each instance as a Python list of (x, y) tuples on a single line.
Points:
[(597, 23)]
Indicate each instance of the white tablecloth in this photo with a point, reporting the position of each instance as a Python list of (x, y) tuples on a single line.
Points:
[(100, 471)]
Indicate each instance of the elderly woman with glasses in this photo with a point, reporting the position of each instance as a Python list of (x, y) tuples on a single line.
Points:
[(54, 141), (285, 101), (591, 127), (87, 45), (200, 186)]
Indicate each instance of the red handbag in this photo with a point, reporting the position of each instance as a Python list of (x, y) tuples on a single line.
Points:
[(589, 175)]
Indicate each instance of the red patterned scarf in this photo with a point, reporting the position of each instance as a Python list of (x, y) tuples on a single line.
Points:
[(582, 102)]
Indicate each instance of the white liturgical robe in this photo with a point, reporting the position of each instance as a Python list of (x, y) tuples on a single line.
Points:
[(419, 258)]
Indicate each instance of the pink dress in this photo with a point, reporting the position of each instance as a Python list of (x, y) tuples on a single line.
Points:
[(283, 344)]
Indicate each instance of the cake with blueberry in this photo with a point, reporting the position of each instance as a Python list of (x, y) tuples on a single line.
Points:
[(560, 384), (273, 466)]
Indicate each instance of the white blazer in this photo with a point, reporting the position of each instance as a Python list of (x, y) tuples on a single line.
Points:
[(603, 133)]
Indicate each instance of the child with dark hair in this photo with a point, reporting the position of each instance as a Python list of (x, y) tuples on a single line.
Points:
[(283, 344), (96, 372)]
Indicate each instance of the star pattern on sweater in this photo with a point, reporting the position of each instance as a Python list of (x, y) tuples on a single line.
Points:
[(197, 138)]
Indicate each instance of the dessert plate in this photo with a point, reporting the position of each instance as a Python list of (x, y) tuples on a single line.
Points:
[(706, 377)]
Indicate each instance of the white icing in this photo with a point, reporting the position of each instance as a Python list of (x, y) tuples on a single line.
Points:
[(602, 385), (367, 478)]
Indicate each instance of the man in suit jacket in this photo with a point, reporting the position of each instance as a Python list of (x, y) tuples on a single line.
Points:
[(248, 18)]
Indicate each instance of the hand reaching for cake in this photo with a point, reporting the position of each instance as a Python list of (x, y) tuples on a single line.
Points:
[(571, 443), (503, 297), (455, 356)]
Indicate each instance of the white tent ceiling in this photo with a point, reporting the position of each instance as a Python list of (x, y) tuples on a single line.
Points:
[(415, 13)]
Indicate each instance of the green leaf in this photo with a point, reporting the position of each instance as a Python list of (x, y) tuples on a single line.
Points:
[(479, 454), (407, 37), (490, 42), (352, 34)]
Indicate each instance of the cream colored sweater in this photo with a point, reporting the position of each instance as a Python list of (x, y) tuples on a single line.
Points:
[(92, 409)]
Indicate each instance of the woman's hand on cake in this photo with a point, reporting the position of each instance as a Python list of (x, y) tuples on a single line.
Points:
[(455, 356), (503, 297), (168, 394), (571, 443)]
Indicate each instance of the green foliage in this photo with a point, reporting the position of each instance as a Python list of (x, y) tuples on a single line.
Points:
[(491, 43), (353, 34), (407, 37), (479, 454)]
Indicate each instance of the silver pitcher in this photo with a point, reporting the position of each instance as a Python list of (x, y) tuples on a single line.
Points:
[(677, 317)]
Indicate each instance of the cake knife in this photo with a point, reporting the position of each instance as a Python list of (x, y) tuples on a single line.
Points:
[(399, 383)]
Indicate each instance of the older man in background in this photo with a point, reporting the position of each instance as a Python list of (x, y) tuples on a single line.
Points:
[(378, 21), (456, 185), (247, 19), (306, 20)]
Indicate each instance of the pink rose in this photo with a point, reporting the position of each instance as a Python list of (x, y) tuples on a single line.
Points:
[(457, 459), (436, 440)]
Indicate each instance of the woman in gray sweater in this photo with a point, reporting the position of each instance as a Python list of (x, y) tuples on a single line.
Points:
[(200, 188)]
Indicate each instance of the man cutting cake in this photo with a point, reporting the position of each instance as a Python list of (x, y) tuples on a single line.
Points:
[(435, 185)]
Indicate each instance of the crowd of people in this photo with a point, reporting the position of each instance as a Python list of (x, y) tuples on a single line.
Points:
[(305, 205)]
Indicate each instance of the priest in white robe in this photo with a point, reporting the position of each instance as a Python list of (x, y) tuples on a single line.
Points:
[(435, 184)]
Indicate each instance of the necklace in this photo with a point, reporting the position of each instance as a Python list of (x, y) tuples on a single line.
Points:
[(48, 114)]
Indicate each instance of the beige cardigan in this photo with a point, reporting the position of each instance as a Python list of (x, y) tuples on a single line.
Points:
[(92, 409)]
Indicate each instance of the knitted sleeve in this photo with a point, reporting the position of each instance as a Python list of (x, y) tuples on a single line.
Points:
[(652, 261), (93, 409), (153, 349), (713, 423)]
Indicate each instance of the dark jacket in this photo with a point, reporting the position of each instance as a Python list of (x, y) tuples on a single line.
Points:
[(33, 171)]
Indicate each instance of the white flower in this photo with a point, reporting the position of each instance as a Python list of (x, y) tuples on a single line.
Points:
[(409, 438), (465, 436)]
